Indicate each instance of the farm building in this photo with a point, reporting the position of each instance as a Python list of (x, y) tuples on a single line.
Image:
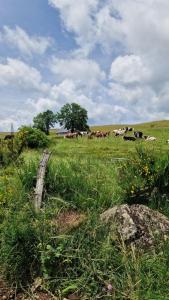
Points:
[(62, 131)]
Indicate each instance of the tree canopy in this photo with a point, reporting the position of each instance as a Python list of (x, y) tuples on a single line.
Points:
[(44, 121), (73, 117)]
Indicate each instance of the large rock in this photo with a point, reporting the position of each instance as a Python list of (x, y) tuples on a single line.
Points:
[(136, 224)]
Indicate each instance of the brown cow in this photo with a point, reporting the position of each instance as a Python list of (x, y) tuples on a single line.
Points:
[(72, 135)]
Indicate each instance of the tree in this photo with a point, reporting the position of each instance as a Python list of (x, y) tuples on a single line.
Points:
[(73, 117), (44, 121)]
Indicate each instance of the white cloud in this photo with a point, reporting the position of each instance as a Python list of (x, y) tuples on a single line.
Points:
[(67, 92), (108, 29), (14, 116), (25, 43), (133, 83), (129, 69), (137, 25), (18, 74), (82, 71), (40, 105), (77, 17), (5, 124)]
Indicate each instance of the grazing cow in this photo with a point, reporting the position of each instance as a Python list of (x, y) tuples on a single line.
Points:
[(99, 134), (9, 137), (84, 133), (120, 129), (119, 132), (129, 138), (105, 134), (150, 138), (129, 129), (79, 133), (71, 135), (93, 133), (138, 134)]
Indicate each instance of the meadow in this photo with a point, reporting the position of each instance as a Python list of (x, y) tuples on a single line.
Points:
[(115, 147), (66, 245)]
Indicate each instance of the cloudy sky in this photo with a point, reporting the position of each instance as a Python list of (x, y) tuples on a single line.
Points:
[(110, 56)]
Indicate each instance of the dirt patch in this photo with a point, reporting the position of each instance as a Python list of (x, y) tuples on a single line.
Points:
[(68, 220)]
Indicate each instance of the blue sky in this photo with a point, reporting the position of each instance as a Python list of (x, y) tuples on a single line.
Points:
[(110, 56)]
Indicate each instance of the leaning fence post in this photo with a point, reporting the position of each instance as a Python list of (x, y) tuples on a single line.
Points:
[(40, 181)]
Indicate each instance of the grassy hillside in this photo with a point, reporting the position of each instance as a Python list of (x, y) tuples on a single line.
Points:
[(66, 245), (144, 126)]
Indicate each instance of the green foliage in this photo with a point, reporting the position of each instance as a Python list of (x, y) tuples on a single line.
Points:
[(19, 256), (27, 174), (44, 121), (137, 177), (18, 237), (86, 261), (73, 117), (9, 192), (10, 151), (32, 137), (145, 179)]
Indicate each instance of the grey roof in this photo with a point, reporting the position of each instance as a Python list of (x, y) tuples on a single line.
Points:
[(62, 130)]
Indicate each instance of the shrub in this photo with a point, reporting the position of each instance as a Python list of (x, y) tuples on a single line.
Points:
[(145, 179), (32, 137)]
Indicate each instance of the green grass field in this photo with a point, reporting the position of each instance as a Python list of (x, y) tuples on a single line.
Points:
[(113, 147), (82, 181)]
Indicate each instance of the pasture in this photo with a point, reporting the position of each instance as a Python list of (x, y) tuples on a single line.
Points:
[(66, 245), (113, 147)]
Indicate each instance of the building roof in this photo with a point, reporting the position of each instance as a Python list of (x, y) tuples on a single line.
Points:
[(62, 130)]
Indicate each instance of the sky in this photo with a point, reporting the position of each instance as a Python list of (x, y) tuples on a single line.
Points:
[(109, 56)]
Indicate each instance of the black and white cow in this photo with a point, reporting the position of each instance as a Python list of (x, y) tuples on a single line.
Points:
[(129, 138), (138, 134)]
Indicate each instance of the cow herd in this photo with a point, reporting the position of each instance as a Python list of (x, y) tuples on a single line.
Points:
[(136, 134), (116, 132), (102, 134)]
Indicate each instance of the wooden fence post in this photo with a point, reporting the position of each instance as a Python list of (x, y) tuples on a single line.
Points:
[(40, 180)]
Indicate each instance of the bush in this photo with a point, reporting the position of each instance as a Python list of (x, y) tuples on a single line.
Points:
[(32, 137), (145, 179)]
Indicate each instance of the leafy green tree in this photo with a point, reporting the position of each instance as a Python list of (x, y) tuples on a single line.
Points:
[(44, 121), (73, 117)]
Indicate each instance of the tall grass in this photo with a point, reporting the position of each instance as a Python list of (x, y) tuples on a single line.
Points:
[(84, 259), (86, 183)]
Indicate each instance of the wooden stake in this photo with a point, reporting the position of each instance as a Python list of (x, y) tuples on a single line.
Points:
[(40, 180)]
